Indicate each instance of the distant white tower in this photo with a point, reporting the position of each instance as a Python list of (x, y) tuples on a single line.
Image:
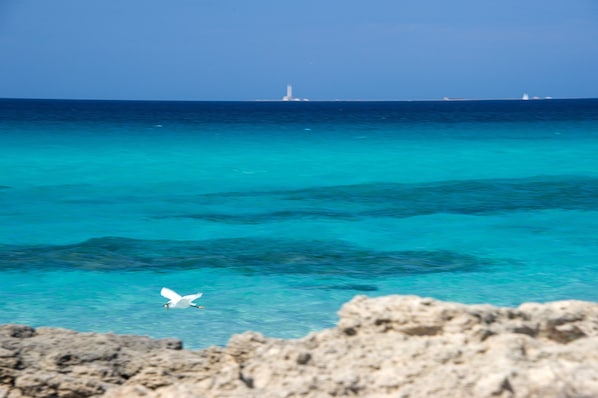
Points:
[(289, 96)]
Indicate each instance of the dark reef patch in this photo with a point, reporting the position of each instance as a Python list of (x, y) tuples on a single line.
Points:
[(395, 200), (352, 286), (249, 256)]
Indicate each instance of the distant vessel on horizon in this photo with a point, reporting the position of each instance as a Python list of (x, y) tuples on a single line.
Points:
[(525, 97)]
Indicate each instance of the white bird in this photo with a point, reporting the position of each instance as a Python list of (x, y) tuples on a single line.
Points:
[(178, 301)]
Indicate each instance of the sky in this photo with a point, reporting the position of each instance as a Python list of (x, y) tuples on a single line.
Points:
[(327, 49)]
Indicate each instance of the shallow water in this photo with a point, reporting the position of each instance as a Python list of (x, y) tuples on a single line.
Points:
[(280, 212)]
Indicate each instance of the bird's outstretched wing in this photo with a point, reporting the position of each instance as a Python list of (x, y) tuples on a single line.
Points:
[(192, 297), (169, 294)]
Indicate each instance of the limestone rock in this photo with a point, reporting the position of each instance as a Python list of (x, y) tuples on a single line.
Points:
[(394, 346)]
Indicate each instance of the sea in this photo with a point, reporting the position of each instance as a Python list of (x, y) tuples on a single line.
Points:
[(280, 212)]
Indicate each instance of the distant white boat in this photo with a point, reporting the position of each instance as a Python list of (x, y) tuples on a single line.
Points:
[(525, 97)]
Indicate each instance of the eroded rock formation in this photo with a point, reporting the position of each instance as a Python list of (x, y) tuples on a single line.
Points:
[(394, 346)]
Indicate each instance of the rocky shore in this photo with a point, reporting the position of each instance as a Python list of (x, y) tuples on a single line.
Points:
[(393, 346)]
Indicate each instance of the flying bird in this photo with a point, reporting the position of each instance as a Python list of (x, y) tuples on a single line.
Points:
[(178, 301)]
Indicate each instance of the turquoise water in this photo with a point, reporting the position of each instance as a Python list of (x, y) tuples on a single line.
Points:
[(280, 212)]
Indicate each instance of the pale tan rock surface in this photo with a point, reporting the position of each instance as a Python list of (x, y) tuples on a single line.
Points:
[(394, 346)]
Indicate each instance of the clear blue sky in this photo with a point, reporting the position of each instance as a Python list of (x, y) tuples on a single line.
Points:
[(328, 49)]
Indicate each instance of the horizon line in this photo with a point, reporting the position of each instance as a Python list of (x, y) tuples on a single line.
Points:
[(444, 99)]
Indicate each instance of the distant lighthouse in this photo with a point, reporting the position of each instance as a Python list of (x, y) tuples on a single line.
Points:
[(289, 96)]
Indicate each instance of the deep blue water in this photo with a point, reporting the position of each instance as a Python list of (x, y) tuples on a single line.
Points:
[(280, 212)]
